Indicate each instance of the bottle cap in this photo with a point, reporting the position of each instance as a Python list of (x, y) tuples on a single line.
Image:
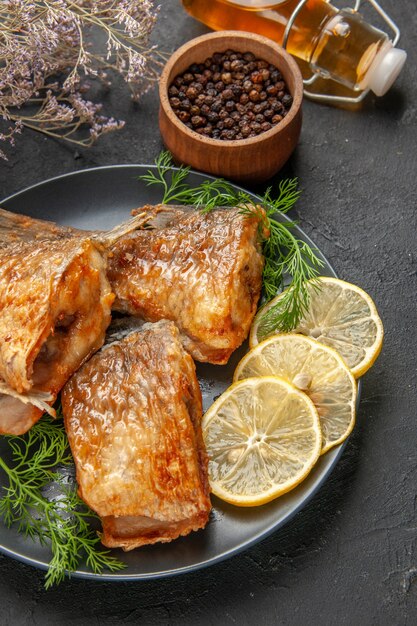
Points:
[(385, 69)]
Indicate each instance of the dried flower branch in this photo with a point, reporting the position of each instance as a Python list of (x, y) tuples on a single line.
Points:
[(47, 58)]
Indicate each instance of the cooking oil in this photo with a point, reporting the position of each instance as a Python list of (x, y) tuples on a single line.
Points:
[(336, 44)]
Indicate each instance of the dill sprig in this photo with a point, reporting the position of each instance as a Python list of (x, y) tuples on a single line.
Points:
[(175, 189), (289, 261), (61, 520)]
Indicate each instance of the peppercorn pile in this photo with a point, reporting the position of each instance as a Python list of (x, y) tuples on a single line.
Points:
[(231, 95)]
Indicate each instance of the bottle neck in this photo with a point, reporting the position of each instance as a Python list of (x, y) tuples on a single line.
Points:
[(344, 48)]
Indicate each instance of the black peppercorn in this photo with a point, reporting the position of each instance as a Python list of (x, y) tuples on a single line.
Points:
[(200, 100), (185, 105), (191, 93), (230, 96), (175, 102), (197, 120), (188, 78), (236, 90), (230, 134), (271, 90), (256, 77), (213, 117), (227, 94), (184, 116), (276, 106), (275, 75), (248, 86)]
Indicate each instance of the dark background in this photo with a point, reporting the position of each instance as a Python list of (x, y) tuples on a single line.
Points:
[(349, 557)]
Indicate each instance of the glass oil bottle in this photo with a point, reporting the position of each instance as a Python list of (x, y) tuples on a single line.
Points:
[(333, 44)]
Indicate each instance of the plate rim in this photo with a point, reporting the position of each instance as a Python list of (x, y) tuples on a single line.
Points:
[(283, 216), (261, 535)]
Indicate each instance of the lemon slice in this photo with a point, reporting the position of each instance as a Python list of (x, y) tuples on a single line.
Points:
[(340, 315), (317, 370), (262, 437)]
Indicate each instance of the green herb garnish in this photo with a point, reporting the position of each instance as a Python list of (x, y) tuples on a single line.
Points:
[(175, 189), (289, 261), (59, 518)]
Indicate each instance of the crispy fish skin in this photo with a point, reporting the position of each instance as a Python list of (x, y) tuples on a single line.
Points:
[(55, 306), (202, 271), (132, 414), (40, 289), (18, 227)]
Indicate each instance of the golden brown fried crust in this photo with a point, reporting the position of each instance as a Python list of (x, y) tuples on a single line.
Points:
[(204, 272), (55, 305), (132, 415)]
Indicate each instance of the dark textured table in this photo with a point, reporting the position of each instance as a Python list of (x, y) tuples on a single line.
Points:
[(349, 557)]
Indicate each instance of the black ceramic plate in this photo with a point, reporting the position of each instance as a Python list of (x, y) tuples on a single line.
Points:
[(99, 199)]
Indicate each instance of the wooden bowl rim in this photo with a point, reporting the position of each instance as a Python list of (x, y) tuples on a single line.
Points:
[(244, 36)]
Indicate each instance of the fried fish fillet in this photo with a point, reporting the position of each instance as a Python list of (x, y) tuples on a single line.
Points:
[(55, 306), (202, 271), (132, 414)]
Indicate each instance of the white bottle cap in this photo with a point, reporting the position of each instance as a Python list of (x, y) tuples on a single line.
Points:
[(385, 69)]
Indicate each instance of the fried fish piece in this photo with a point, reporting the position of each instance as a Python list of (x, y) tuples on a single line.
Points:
[(55, 306), (202, 271), (132, 414)]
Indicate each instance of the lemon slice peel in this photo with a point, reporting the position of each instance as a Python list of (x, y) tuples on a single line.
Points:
[(332, 387), (274, 458)]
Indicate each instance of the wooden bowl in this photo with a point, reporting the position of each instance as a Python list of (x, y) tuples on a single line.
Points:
[(254, 159)]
